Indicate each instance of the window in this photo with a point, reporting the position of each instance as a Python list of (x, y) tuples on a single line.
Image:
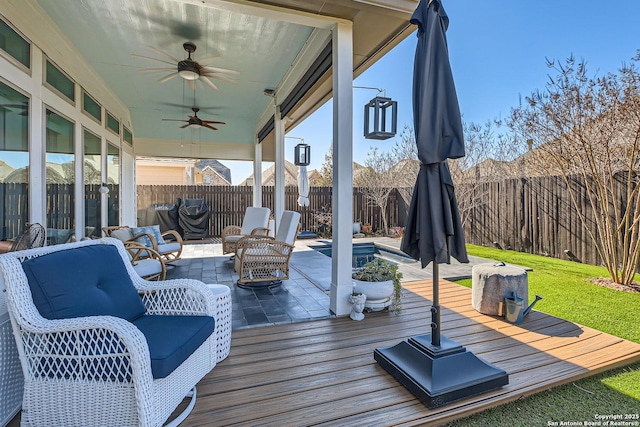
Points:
[(14, 45), (128, 138), (92, 181), (60, 82), (113, 176), (60, 176), (113, 124), (14, 162), (91, 107)]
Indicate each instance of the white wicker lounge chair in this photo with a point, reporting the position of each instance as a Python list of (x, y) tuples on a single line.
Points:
[(255, 222), (264, 258), (86, 364)]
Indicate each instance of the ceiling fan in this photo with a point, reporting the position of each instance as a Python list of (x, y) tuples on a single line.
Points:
[(196, 122), (188, 68)]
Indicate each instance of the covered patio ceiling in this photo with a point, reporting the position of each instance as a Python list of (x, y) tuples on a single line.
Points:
[(282, 45)]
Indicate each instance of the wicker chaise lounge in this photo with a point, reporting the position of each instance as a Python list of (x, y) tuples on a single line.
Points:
[(99, 346)]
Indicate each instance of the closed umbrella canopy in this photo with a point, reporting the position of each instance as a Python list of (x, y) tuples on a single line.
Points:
[(434, 231), (303, 186), (434, 368)]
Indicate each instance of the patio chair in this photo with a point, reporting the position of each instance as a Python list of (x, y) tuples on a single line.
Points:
[(255, 222), (32, 237), (146, 262), (265, 258), (151, 237), (99, 345)]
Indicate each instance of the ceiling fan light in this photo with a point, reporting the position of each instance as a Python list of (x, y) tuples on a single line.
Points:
[(188, 74), (195, 126), (188, 70)]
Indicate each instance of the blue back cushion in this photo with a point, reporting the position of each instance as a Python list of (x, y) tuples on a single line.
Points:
[(85, 281), (153, 230)]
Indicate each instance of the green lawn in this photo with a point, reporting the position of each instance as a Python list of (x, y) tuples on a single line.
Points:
[(568, 294)]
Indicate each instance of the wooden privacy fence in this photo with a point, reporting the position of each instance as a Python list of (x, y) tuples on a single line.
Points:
[(227, 204), (534, 215)]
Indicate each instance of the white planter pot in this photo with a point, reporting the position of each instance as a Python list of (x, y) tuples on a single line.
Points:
[(356, 227), (378, 293)]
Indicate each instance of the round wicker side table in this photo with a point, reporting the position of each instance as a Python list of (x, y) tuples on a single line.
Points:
[(222, 295)]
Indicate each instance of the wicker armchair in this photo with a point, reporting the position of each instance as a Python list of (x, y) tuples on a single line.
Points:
[(264, 258), (255, 222), (34, 236), (100, 369), (148, 263), (169, 251)]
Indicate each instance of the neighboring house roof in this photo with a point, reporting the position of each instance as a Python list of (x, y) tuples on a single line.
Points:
[(5, 169), (269, 176), (314, 178), (221, 169), (55, 175), (217, 178), (291, 175)]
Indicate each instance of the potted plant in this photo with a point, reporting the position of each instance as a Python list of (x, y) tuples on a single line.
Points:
[(380, 281)]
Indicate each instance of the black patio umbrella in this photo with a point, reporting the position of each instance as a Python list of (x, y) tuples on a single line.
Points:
[(433, 231), (434, 368)]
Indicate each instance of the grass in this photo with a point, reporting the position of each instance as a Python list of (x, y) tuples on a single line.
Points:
[(568, 294)]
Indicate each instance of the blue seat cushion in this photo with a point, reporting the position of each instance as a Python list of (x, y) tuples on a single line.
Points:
[(172, 339), (84, 281)]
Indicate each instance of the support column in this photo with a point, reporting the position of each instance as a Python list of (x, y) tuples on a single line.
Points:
[(37, 145), (342, 199), (278, 199), (78, 179), (257, 175)]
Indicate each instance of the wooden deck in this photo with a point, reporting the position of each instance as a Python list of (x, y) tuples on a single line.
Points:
[(323, 372)]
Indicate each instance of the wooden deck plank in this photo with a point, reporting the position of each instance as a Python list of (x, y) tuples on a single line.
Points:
[(323, 373)]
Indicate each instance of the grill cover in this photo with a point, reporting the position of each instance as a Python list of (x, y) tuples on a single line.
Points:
[(193, 217)]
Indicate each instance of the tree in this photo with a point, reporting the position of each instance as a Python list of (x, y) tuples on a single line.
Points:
[(378, 179), (589, 127), (326, 170), (406, 156), (488, 152)]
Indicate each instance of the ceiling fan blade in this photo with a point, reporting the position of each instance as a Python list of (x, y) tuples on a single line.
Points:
[(174, 120), (184, 126), (148, 70), (213, 121), (168, 77), (203, 61), (219, 70), (163, 53), (208, 82), (188, 107), (220, 77), (204, 125), (154, 59)]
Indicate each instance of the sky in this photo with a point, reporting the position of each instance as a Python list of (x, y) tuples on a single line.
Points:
[(497, 50)]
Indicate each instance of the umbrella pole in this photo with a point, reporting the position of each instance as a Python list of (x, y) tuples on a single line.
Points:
[(435, 309)]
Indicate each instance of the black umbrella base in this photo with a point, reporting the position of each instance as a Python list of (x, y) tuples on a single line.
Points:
[(439, 375)]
